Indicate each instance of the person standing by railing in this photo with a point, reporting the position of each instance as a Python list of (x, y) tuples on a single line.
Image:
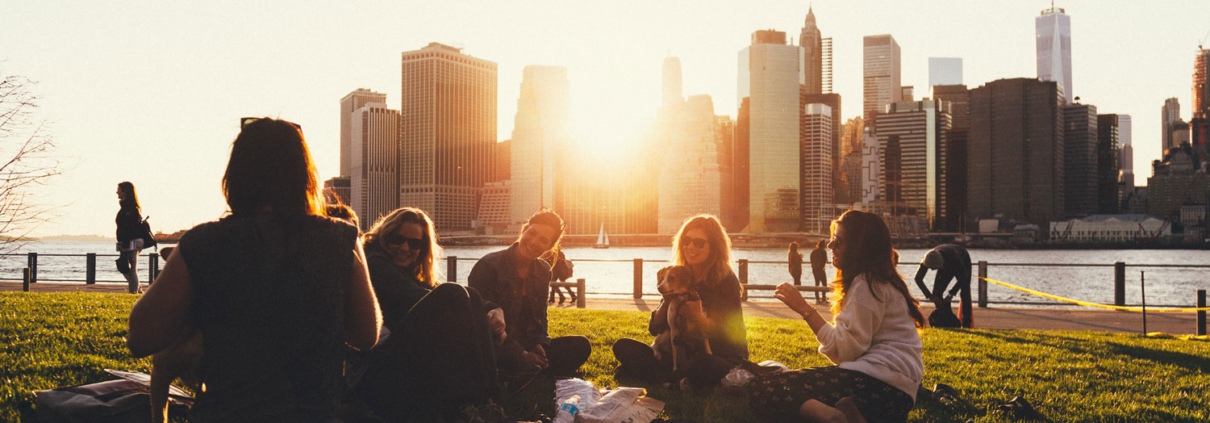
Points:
[(819, 260), (951, 262), (129, 233), (795, 259)]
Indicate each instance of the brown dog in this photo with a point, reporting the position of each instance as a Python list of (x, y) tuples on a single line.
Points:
[(180, 360), (684, 339)]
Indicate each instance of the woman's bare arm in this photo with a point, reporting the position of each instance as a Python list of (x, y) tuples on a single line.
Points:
[(158, 318), (363, 318)]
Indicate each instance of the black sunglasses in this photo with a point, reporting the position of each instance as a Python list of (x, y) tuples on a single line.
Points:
[(696, 242), (397, 239), (244, 122)]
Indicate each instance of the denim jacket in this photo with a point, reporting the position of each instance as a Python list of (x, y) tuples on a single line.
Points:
[(496, 278)]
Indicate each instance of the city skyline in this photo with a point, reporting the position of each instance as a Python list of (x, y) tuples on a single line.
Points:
[(137, 84)]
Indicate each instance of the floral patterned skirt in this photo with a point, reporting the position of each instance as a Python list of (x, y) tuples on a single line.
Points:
[(778, 396)]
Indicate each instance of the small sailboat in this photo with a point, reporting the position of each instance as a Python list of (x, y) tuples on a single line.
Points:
[(602, 239)]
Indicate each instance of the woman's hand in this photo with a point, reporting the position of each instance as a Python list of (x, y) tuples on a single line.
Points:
[(495, 321), (789, 295), (537, 357)]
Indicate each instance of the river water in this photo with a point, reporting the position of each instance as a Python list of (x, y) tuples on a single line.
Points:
[(1031, 269)]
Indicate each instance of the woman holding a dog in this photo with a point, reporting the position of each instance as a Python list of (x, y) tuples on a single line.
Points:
[(518, 279), (276, 289), (703, 246), (874, 339), (437, 356)]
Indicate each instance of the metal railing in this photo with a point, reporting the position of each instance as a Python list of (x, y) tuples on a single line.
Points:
[(30, 276)]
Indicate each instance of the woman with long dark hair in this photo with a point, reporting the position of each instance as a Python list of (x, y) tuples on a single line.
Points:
[(517, 279), (703, 246), (130, 234), (874, 339), (276, 289)]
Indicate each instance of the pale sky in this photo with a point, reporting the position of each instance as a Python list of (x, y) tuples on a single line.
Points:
[(150, 91)]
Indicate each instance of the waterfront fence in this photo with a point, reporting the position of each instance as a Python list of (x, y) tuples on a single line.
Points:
[(742, 266)]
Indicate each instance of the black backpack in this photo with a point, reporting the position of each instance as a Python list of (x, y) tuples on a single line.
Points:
[(145, 233), (943, 316)]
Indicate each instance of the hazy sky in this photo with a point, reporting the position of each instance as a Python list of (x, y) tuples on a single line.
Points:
[(150, 92)]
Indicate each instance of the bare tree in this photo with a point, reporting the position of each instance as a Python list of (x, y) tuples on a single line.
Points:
[(26, 161)]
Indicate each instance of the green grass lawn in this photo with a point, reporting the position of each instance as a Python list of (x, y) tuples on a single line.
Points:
[(52, 340)]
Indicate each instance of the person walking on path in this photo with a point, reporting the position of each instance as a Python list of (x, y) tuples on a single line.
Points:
[(819, 259), (517, 279), (561, 273), (795, 259), (129, 233), (873, 340), (703, 246), (951, 262), (276, 288)]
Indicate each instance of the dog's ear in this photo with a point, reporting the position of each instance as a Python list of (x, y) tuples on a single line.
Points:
[(659, 276)]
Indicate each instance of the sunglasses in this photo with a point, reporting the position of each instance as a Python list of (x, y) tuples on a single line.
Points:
[(695, 242), (244, 122), (397, 239)]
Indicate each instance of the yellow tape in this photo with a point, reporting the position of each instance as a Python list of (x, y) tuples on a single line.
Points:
[(1088, 304)]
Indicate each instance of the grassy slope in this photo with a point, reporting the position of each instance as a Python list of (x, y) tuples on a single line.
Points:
[(51, 340)]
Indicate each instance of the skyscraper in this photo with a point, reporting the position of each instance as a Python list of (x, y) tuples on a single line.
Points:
[(1015, 158), (539, 138), (448, 128), (812, 45), (349, 104), (1199, 125), (880, 72), (871, 174), (374, 168), (1125, 137), (1108, 135), (945, 71), (693, 178), (1170, 114), (1080, 159), (818, 172), (956, 143), (1053, 36), (770, 73), (672, 91), (912, 140), (1201, 90), (832, 100)]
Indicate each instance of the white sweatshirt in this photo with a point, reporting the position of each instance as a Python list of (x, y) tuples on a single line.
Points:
[(875, 335)]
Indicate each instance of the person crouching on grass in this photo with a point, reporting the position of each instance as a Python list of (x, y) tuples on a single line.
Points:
[(874, 340)]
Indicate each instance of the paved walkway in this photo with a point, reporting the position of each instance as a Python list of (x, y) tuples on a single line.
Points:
[(1068, 318)]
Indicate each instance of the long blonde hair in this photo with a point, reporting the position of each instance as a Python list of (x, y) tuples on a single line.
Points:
[(720, 246), (426, 273)]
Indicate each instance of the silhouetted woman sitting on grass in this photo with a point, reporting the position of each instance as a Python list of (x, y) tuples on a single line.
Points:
[(438, 356), (276, 288), (874, 339)]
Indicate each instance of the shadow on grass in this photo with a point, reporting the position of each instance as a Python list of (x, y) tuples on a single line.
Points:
[(1172, 358)]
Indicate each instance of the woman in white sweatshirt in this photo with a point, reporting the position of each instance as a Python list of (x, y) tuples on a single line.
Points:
[(874, 339)]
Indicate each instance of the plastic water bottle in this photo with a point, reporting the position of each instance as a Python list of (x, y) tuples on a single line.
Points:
[(569, 409)]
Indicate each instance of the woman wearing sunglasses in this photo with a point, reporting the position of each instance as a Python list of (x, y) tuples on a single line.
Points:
[(435, 355), (518, 279), (704, 247), (874, 339), (276, 289)]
